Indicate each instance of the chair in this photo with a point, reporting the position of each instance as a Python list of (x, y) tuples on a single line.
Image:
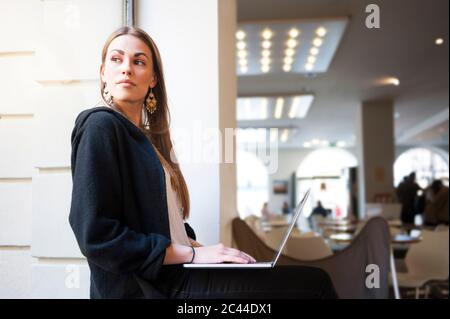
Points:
[(275, 236), (251, 220), (255, 224), (426, 261), (347, 268), (441, 227), (307, 248)]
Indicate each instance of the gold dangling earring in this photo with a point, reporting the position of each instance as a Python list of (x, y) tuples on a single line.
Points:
[(107, 96), (150, 102)]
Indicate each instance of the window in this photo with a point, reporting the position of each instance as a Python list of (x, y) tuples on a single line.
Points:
[(252, 180), (428, 164)]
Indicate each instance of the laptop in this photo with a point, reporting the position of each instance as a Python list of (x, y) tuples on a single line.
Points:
[(269, 264)]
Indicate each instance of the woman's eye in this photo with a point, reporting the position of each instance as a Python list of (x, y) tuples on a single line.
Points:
[(114, 59), (140, 62)]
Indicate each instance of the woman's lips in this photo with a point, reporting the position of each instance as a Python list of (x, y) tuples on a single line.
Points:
[(126, 84)]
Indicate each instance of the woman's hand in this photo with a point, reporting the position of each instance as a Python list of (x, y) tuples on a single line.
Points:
[(221, 254)]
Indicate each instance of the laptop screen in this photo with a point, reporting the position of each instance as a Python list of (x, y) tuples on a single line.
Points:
[(297, 213)]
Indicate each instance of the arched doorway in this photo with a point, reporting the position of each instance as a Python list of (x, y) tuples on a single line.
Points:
[(325, 171)]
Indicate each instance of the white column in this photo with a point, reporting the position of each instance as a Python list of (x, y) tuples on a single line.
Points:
[(375, 142), (68, 56), (52, 61), (196, 42), (18, 90)]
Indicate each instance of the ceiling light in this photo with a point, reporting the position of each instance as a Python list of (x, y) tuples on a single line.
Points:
[(287, 67), (243, 62), (279, 108), (307, 144), (311, 59), (244, 69), (288, 60), (301, 105), (241, 45), (324, 143), (315, 141), (248, 108), (388, 81), (265, 53), (267, 34), (264, 108), (321, 31), (439, 41), (341, 144), (291, 43), (240, 35), (289, 52), (393, 81), (242, 54), (252, 108), (314, 51), (293, 110), (317, 42), (265, 68), (273, 134), (301, 40), (265, 61), (294, 32), (266, 44), (284, 135)]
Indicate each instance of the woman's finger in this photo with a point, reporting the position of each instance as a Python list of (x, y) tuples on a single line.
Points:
[(235, 259), (250, 257), (239, 253)]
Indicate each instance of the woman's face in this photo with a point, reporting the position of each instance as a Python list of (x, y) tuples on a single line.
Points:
[(128, 69)]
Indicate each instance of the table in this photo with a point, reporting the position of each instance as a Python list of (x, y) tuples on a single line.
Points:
[(405, 239), (336, 222), (341, 237), (275, 223)]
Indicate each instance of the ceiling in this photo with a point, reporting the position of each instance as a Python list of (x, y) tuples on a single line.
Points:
[(403, 48)]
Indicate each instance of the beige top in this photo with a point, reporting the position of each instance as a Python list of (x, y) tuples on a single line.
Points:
[(178, 233)]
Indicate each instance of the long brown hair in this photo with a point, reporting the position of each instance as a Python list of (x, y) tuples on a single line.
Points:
[(156, 126)]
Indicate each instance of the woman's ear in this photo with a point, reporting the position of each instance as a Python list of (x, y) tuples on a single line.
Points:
[(102, 73), (153, 82)]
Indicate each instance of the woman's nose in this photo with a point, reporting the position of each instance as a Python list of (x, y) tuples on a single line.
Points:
[(126, 67)]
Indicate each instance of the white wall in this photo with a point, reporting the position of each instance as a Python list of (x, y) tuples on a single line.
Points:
[(188, 35), (52, 60)]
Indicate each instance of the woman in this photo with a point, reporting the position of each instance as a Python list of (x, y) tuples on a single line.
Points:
[(130, 199)]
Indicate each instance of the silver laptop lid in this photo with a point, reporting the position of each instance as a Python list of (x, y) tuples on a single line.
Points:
[(297, 213)]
